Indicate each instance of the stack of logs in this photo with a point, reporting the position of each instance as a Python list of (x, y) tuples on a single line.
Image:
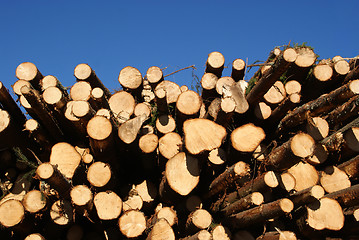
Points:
[(272, 158)]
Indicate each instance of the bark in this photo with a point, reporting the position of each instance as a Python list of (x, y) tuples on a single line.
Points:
[(262, 111), (84, 72), (215, 63), (239, 173), (307, 195), (353, 74), (99, 99), (317, 128), (347, 197), (343, 113), (321, 105), (351, 168), (291, 152), (271, 76), (320, 155), (249, 201), (260, 214)]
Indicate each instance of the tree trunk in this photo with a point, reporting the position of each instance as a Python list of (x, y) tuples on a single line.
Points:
[(238, 68), (215, 63), (29, 72), (342, 113), (307, 195), (244, 203)]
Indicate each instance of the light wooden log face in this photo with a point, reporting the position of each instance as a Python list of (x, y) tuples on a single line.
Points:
[(305, 175), (130, 78), (276, 93), (247, 137), (108, 205), (171, 89), (61, 212), (189, 102), (208, 81), (202, 135), (154, 74), (170, 144), (34, 201), (66, 158), (182, 173), (122, 102), (26, 71), (148, 143), (19, 84), (221, 232), (11, 213), (132, 223), (35, 236), (81, 91), (333, 179), (81, 195), (99, 174), (82, 71), (161, 231), (306, 57)]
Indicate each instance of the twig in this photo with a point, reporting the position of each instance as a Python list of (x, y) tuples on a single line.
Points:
[(192, 66), (260, 64)]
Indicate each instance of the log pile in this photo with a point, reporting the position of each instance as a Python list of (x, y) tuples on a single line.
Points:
[(272, 158)]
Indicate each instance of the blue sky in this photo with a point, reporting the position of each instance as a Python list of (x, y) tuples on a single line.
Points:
[(109, 35)]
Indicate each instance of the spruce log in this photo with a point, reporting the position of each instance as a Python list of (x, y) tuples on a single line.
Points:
[(154, 75), (239, 173), (208, 83), (148, 192), (10, 105), (16, 87), (271, 76), (198, 220), (54, 177), (170, 144), (215, 63), (122, 104), (224, 81), (262, 111), (333, 179), (202, 135), (55, 97), (99, 174), (275, 94), (132, 224), (29, 72), (99, 99), (292, 86), (321, 105), (291, 152), (133, 201), (161, 230), (247, 138), (220, 232), (344, 112), (82, 198), (287, 181), (11, 213), (278, 235), (35, 236), (10, 131), (148, 143), (167, 213), (237, 93), (108, 205), (341, 66), (130, 78), (351, 168), (347, 197), (217, 156), (201, 235), (51, 81), (238, 67), (243, 235), (305, 175), (81, 91), (34, 201), (61, 212), (353, 74), (319, 156), (67, 159), (260, 214), (188, 104), (244, 203), (84, 72), (165, 124), (128, 131), (142, 108), (307, 195), (317, 128)]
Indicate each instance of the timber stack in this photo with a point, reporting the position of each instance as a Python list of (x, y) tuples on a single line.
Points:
[(275, 157)]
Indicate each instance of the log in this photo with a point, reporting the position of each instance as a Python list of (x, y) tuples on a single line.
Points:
[(165, 124), (148, 143), (54, 177), (347, 197), (188, 104), (238, 68), (81, 91), (324, 214), (244, 203), (35, 236), (66, 158), (307, 195), (133, 201), (208, 83), (78, 125), (287, 181), (278, 235), (260, 214), (34, 201), (11, 213), (321, 105), (215, 63), (51, 81), (10, 105), (353, 74), (198, 220), (16, 87), (217, 156), (182, 173), (305, 175), (122, 104), (171, 89), (333, 179), (202, 135), (320, 155), (167, 213), (29, 72), (108, 205), (55, 97), (154, 75), (161, 230), (262, 111), (61, 212), (99, 99), (317, 128), (221, 232), (271, 76), (130, 78), (341, 66), (132, 223), (83, 111), (275, 94), (224, 81), (247, 138), (351, 168), (237, 93), (142, 108), (342, 113), (201, 235), (148, 192), (298, 147), (239, 173), (292, 86), (84, 72), (82, 198), (128, 131), (170, 144), (99, 174)]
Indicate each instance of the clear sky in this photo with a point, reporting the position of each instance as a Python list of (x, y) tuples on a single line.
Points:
[(109, 35)]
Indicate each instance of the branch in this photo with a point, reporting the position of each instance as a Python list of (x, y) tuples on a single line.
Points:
[(192, 66)]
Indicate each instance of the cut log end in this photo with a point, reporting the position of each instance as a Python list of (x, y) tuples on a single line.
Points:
[(99, 174), (169, 214), (35, 236), (45, 171), (81, 91), (165, 124), (34, 201), (201, 219), (306, 57), (290, 55), (271, 179), (302, 145), (217, 156), (11, 213), (26, 71), (148, 143), (130, 77), (189, 102), (286, 205), (275, 94), (317, 128), (61, 212), (170, 144), (99, 128), (208, 81), (292, 86), (108, 205), (161, 230), (323, 72), (82, 71), (220, 232), (132, 223), (215, 60), (81, 195), (154, 74), (333, 179), (247, 137)]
